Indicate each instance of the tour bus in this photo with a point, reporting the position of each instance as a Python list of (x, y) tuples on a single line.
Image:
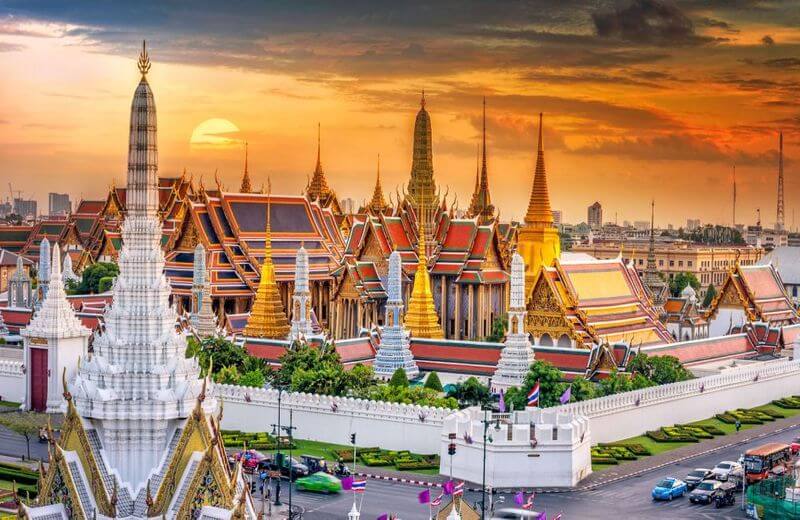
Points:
[(759, 461)]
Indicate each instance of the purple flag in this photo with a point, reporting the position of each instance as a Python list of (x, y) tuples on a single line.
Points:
[(448, 487), (566, 396), (425, 497), (502, 404), (519, 498), (384, 516), (347, 483), (542, 516)]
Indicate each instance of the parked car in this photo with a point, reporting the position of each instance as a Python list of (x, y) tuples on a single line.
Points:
[(320, 482), (696, 476), (704, 492), (250, 458), (314, 464), (669, 488), (724, 468)]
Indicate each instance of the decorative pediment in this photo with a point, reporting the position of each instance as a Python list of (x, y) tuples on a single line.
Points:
[(545, 312)]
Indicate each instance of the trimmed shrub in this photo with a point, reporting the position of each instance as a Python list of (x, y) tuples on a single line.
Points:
[(604, 460), (713, 430)]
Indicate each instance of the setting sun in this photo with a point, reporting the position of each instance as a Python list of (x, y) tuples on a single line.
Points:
[(215, 132)]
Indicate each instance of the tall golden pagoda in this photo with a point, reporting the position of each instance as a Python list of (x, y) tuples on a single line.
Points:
[(421, 318), (267, 318), (378, 202), (245, 187), (422, 191), (538, 240)]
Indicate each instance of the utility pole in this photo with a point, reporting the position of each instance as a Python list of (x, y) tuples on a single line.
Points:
[(276, 429)]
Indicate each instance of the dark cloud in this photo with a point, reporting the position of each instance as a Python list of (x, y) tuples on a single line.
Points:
[(768, 40), (783, 63), (648, 21), (718, 24)]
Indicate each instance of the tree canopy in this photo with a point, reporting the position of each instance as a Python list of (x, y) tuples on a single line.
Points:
[(433, 382), (711, 293), (681, 280), (661, 370), (93, 275)]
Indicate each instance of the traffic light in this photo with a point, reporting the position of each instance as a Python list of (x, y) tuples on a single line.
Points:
[(451, 448), (353, 439)]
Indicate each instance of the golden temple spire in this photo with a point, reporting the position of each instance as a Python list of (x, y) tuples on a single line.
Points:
[(538, 241), (318, 188), (144, 60), (539, 205), (481, 204), (246, 187), (378, 202), (421, 318), (267, 317)]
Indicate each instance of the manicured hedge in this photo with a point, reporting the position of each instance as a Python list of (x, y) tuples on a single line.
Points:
[(604, 460), (713, 430), (662, 436), (792, 402)]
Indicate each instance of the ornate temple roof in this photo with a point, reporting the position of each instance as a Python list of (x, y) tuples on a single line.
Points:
[(481, 204), (318, 189), (599, 301), (759, 290)]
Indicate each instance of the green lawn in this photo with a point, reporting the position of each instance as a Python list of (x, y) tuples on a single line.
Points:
[(661, 447), (9, 404)]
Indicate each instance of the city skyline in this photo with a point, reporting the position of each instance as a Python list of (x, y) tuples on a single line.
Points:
[(622, 114)]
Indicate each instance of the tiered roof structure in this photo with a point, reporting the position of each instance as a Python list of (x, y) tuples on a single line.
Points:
[(538, 240), (267, 317), (583, 303), (377, 204), (139, 439), (246, 187), (657, 288), (422, 194), (318, 189)]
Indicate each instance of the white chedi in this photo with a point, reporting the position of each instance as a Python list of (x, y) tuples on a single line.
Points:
[(301, 299), (202, 319), (68, 272), (394, 351), (517, 354), (138, 386)]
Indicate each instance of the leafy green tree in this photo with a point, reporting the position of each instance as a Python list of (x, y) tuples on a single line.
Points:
[(470, 393), (583, 389), (681, 280), (105, 284), (661, 370), (711, 293), (90, 279), (360, 378), (221, 352), (305, 357), (433, 382), (227, 375), (412, 395), (551, 385), (399, 378), (499, 328), (253, 378), (26, 424), (614, 384)]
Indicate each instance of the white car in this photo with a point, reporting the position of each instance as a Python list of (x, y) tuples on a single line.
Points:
[(722, 470)]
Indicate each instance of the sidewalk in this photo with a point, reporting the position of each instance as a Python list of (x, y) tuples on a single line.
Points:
[(645, 464)]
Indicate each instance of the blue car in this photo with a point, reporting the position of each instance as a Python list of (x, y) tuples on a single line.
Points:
[(669, 488)]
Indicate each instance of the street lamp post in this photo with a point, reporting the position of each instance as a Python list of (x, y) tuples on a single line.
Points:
[(276, 428), (486, 439)]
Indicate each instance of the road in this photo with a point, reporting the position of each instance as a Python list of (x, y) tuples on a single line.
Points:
[(628, 499)]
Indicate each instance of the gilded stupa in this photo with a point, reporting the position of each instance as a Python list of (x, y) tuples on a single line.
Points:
[(538, 241), (378, 203), (267, 317), (422, 193), (421, 318)]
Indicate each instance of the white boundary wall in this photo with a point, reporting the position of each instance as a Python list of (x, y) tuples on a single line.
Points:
[(12, 381), (628, 414), (326, 418)]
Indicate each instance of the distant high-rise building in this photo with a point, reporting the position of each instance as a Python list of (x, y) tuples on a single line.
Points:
[(26, 208), (348, 206), (595, 216), (557, 215), (641, 225), (692, 224), (59, 204), (5, 209)]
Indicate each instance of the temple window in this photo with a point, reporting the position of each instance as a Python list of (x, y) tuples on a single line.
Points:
[(546, 340)]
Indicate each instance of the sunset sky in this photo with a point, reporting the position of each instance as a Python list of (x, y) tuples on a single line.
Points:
[(642, 99)]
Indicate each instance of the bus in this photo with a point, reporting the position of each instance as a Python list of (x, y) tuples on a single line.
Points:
[(759, 461)]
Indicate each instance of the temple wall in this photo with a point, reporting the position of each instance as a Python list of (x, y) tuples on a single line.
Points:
[(629, 414), (721, 323), (12, 381), (331, 419)]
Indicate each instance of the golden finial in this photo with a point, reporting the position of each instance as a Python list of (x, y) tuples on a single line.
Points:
[(422, 101), (144, 60)]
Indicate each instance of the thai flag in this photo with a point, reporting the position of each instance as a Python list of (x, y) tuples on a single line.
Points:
[(533, 395), (359, 486), (438, 500), (458, 490), (557, 517), (529, 503)]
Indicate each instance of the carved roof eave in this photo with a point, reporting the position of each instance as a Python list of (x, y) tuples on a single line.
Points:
[(734, 278)]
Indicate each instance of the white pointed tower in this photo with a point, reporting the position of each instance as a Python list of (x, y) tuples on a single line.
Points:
[(202, 319), (301, 298), (138, 386), (517, 355), (44, 270), (55, 340), (20, 295), (394, 349), (68, 272)]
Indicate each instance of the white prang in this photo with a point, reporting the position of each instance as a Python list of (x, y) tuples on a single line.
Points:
[(202, 319), (56, 329), (44, 269), (517, 354), (301, 299), (394, 351), (138, 386), (68, 272), (20, 295)]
